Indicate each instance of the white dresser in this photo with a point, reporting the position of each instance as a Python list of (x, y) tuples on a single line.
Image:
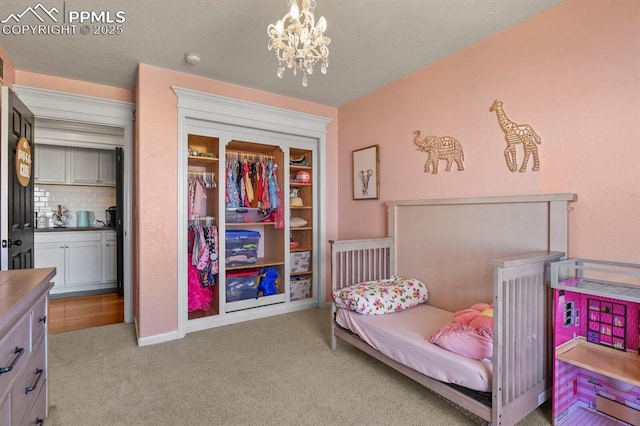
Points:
[(23, 346)]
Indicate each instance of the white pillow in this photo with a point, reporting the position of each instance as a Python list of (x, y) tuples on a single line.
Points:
[(297, 222)]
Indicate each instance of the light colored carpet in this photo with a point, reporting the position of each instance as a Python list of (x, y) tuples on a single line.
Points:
[(274, 371)]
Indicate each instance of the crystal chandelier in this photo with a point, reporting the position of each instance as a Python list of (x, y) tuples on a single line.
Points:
[(299, 41)]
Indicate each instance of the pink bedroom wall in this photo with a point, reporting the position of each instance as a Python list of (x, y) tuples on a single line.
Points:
[(9, 70), (572, 73), (50, 82), (156, 184)]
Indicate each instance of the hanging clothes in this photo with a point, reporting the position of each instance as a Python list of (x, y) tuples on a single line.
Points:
[(252, 182), (197, 184), (203, 250)]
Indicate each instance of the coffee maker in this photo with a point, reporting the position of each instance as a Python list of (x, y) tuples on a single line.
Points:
[(111, 216)]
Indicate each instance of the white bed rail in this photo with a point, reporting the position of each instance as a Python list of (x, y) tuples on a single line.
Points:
[(354, 261), (521, 335)]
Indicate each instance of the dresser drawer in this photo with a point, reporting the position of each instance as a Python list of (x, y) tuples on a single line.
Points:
[(38, 412), (5, 410), (14, 350), (28, 385), (39, 326)]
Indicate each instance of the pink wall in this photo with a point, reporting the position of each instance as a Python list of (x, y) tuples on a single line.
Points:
[(43, 81), (572, 73), (9, 70), (156, 184)]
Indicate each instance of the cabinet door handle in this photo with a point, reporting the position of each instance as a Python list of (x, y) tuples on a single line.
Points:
[(18, 351), (39, 372), (43, 319)]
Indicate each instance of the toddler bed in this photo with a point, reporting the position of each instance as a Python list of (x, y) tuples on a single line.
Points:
[(488, 249)]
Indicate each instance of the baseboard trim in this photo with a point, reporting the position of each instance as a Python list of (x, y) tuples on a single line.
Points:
[(158, 338)]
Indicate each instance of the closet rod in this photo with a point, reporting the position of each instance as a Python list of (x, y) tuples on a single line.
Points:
[(209, 220), (248, 155)]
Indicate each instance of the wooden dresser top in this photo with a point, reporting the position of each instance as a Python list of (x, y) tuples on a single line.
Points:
[(19, 289)]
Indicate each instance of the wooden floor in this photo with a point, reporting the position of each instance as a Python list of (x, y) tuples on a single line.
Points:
[(75, 313)]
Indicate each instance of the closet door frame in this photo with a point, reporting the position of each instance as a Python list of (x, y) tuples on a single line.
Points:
[(231, 119)]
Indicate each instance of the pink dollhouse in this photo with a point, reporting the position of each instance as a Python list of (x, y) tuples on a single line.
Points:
[(596, 365)]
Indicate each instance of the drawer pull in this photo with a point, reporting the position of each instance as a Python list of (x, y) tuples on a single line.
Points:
[(43, 319), (18, 351), (39, 372), (39, 421)]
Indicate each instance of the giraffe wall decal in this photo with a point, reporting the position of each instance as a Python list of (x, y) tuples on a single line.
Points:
[(514, 134)]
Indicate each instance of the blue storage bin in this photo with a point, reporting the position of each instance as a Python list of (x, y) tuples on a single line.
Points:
[(242, 285), (241, 247)]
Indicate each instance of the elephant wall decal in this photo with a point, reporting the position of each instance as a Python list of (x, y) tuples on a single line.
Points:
[(438, 148)]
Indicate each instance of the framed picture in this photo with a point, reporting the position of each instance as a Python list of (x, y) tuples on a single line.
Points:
[(366, 180)]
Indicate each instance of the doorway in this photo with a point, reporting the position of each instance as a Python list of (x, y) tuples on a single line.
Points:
[(53, 106)]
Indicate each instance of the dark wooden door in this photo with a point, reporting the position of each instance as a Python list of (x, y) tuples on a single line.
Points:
[(20, 220), (120, 219)]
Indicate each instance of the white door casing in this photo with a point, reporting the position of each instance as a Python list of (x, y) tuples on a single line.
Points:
[(72, 108)]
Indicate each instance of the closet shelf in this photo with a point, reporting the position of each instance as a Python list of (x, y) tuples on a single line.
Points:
[(302, 228), (293, 183), (297, 249), (202, 161), (293, 167), (262, 261), (244, 224), (301, 208)]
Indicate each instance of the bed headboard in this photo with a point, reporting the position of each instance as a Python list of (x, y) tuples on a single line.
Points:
[(448, 242)]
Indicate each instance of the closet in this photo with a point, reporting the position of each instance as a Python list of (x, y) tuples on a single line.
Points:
[(251, 222)]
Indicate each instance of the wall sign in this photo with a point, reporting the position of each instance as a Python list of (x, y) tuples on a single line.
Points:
[(23, 162)]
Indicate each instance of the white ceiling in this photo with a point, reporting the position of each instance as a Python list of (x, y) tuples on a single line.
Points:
[(373, 43)]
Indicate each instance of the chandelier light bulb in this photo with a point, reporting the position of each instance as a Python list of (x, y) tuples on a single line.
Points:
[(322, 24), (295, 11), (299, 41)]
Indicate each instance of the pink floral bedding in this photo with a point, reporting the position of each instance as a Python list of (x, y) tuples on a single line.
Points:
[(382, 296)]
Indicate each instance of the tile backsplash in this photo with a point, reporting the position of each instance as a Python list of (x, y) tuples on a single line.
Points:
[(73, 199)]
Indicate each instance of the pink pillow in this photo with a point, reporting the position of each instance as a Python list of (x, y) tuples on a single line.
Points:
[(465, 316), (465, 340)]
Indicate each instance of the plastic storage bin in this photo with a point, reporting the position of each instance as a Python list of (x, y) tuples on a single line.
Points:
[(300, 288), (300, 261), (244, 215), (241, 247), (242, 285)]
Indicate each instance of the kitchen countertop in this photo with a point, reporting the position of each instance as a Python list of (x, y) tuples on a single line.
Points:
[(73, 229)]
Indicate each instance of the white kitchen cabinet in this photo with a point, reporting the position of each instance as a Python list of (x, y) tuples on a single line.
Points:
[(85, 165), (84, 259), (75, 166), (107, 167), (83, 262), (50, 164), (50, 255), (109, 256), (92, 166)]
